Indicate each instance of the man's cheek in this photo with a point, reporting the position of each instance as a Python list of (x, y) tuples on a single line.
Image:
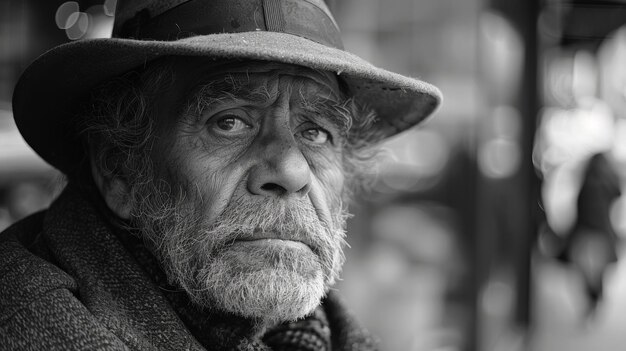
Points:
[(215, 189), (331, 183)]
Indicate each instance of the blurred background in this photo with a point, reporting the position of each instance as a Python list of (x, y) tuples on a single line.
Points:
[(496, 225)]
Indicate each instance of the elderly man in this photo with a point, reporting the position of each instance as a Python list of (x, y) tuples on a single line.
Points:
[(209, 147)]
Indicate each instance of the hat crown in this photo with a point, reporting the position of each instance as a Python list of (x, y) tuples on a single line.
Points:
[(176, 19), (127, 9)]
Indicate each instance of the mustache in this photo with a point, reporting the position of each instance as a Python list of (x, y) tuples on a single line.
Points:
[(250, 219)]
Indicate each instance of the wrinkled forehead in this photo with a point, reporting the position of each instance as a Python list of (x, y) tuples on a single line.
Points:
[(246, 76)]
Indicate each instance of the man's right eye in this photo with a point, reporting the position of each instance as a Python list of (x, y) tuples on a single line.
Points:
[(229, 123)]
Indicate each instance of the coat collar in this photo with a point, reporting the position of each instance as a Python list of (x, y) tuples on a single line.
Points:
[(111, 284)]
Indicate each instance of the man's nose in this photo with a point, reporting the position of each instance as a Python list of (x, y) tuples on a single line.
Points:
[(282, 169)]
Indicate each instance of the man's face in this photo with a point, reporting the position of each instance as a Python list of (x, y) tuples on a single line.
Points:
[(244, 206)]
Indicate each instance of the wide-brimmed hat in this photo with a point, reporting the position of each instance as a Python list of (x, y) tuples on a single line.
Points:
[(300, 32)]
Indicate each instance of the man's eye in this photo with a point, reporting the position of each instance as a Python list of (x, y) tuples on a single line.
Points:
[(316, 135), (231, 124)]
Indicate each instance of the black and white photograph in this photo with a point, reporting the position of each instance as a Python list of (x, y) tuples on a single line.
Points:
[(312, 175)]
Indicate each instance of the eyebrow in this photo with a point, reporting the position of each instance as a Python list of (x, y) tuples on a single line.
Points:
[(337, 112), (228, 88)]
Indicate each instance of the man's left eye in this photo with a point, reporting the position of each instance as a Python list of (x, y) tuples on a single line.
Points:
[(316, 135)]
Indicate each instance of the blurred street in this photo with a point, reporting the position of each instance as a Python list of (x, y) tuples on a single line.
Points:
[(559, 311)]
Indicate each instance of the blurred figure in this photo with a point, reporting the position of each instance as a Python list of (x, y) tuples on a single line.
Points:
[(590, 246)]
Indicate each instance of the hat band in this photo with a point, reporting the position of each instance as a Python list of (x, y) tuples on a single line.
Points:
[(193, 18)]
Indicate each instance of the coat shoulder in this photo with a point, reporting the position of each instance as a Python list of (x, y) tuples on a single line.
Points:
[(38, 306), (25, 275)]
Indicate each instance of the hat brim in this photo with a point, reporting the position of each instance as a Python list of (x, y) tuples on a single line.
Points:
[(52, 86)]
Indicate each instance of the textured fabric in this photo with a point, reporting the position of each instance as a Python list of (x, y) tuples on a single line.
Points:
[(68, 281)]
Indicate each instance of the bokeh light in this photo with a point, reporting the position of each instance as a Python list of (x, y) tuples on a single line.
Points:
[(67, 14), (499, 158), (79, 29), (612, 56), (95, 22), (413, 157), (500, 154), (502, 56), (109, 7), (100, 24)]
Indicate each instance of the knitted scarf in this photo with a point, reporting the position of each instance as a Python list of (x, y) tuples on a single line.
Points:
[(122, 285)]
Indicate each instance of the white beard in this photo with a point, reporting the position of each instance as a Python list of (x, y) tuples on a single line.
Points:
[(220, 270), (271, 284)]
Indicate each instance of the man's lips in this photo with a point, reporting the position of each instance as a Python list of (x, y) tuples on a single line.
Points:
[(275, 242), (264, 238)]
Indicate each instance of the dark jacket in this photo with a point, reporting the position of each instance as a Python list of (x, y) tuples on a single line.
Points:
[(599, 189), (67, 282)]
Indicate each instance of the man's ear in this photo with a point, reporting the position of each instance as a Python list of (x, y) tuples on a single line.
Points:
[(114, 190)]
